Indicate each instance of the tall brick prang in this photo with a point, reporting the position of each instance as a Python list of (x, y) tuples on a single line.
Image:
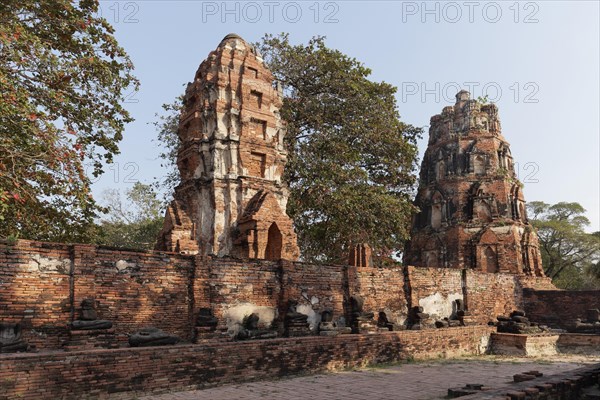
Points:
[(471, 201), (231, 200)]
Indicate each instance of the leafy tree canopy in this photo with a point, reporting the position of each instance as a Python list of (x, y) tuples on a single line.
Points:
[(166, 125), (570, 254), (132, 221), (352, 162), (63, 78)]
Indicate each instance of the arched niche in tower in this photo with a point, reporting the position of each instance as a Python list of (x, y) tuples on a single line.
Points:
[(480, 122), (478, 164), (522, 212), (486, 251), (517, 203), (433, 254), (530, 253), (257, 234), (504, 157), (452, 162), (440, 166), (438, 212), (481, 204), (490, 258), (274, 243), (436, 216)]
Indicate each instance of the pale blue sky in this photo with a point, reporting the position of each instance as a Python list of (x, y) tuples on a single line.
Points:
[(543, 56)]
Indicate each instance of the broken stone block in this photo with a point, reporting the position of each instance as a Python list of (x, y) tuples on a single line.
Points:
[(513, 395), (523, 377), (11, 338), (88, 318), (441, 324), (151, 337), (592, 315), (523, 320)]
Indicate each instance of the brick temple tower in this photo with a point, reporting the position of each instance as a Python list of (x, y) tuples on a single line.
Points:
[(472, 206), (231, 200)]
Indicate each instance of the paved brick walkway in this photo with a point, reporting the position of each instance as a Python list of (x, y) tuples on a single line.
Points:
[(423, 380)]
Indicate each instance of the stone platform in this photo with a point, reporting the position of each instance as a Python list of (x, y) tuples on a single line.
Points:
[(510, 344)]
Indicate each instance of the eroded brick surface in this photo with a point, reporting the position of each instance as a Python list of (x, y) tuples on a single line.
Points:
[(43, 285), (472, 205), (231, 200), (560, 308)]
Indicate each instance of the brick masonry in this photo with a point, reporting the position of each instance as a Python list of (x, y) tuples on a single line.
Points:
[(96, 373), (231, 200), (472, 208), (42, 286), (547, 344), (559, 308)]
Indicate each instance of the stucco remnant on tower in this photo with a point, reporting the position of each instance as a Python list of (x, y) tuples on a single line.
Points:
[(231, 200)]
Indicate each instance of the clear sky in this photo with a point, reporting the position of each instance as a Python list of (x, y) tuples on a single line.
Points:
[(538, 61)]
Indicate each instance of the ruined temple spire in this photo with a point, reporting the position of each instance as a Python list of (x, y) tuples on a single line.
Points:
[(471, 201), (231, 200)]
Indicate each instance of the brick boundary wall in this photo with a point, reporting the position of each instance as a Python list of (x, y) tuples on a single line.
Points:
[(122, 372), (42, 286), (559, 308)]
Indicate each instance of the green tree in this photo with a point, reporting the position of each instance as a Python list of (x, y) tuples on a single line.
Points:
[(570, 254), (63, 78), (133, 221), (352, 162), (166, 125)]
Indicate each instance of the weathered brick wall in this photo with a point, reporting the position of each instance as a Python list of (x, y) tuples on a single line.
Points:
[(435, 289), (382, 289), (559, 308), (314, 287), (96, 373), (490, 295), (576, 343), (237, 288), (34, 289), (134, 289), (535, 282), (43, 285)]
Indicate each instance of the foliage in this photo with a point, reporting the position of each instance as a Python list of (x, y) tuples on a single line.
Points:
[(133, 223), (570, 254), (352, 162), (166, 125), (63, 77), (483, 100)]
